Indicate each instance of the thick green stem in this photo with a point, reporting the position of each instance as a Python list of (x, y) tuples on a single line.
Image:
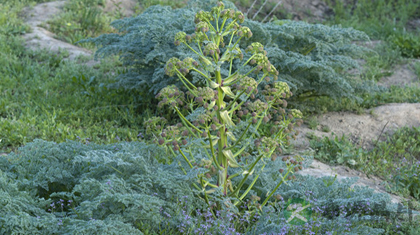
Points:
[(222, 142), (212, 152)]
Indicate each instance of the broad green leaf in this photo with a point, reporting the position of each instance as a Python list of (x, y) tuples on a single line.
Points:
[(231, 136), (232, 162), (211, 105), (213, 85), (228, 92), (225, 117)]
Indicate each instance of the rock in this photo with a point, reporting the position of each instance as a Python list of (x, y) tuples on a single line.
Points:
[(42, 38)]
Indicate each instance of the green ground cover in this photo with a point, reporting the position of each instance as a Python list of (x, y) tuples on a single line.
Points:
[(45, 97)]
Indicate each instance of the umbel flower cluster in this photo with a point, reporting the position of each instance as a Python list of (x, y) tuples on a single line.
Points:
[(224, 117)]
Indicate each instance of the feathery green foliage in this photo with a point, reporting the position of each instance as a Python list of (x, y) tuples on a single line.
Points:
[(312, 59), (75, 188), (72, 188)]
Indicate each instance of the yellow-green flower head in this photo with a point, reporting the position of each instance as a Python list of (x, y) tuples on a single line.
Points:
[(268, 68), (232, 54), (206, 93), (218, 8), (188, 63), (203, 118), (248, 84), (261, 59), (210, 48), (152, 122), (255, 48), (202, 27), (172, 65), (258, 106), (172, 132), (180, 38), (268, 142), (239, 16), (228, 14), (199, 37), (282, 87), (170, 95), (244, 31), (296, 113), (203, 16)]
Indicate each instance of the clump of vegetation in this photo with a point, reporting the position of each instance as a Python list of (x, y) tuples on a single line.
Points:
[(224, 116), (336, 150), (409, 44)]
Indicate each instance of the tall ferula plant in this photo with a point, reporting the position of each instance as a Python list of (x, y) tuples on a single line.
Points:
[(215, 108)]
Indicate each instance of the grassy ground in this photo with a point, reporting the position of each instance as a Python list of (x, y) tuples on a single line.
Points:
[(43, 96)]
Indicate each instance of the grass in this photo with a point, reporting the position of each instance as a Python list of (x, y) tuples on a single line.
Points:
[(62, 100), (416, 69), (43, 96), (313, 123)]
